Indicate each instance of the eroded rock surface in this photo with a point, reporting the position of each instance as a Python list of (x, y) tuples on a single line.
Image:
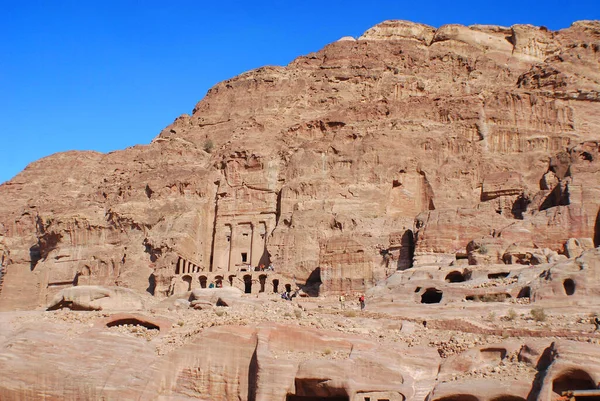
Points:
[(484, 131), (451, 174)]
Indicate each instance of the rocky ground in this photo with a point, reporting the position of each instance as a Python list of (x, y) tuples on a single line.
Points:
[(325, 313)]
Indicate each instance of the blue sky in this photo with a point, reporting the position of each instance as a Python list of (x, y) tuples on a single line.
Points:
[(105, 75)]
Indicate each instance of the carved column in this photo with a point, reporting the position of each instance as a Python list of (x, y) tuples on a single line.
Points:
[(258, 243), (251, 254), (231, 264)]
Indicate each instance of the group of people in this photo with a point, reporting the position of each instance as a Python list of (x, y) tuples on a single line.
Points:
[(259, 268), (287, 295), (361, 301), (262, 267), (219, 284)]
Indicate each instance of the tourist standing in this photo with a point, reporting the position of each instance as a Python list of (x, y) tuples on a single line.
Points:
[(361, 300)]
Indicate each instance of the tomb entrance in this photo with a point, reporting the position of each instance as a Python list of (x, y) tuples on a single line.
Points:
[(247, 284)]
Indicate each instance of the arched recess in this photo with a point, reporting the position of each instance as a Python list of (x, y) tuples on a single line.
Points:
[(187, 279), (248, 284), (455, 277), (262, 279), (275, 285), (569, 286), (573, 379), (133, 322), (203, 280)]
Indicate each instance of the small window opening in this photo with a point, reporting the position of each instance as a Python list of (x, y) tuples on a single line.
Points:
[(244, 257)]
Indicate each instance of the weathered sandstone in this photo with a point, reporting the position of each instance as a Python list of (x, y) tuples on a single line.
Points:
[(450, 174)]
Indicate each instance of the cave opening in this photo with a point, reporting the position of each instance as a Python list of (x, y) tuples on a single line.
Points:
[(262, 279), (575, 379), (525, 292), (432, 296), (248, 284), (455, 277), (132, 322), (151, 284), (569, 286), (313, 283)]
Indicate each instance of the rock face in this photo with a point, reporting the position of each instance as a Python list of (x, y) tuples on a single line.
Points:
[(397, 149)]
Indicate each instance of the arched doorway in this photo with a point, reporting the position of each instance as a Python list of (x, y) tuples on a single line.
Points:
[(248, 284), (219, 281), (569, 286), (202, 280), (188, 280), (262, 279), (275, 286)]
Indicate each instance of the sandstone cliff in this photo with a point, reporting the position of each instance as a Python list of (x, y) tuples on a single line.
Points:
[(407, 146)]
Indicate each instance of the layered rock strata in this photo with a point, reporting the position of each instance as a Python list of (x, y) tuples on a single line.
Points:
[(398, 148)]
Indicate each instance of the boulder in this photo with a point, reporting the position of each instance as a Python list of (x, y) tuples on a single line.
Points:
[(97, 298)]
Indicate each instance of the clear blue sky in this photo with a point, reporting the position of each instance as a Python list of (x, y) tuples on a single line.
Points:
[(107, 74)]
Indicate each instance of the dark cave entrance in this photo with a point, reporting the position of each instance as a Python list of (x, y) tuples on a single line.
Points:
[(262, 279), (575, 379), (525, 292), (248, 284), (455, 277), (569, 286), (431, 296), (132, 322)]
